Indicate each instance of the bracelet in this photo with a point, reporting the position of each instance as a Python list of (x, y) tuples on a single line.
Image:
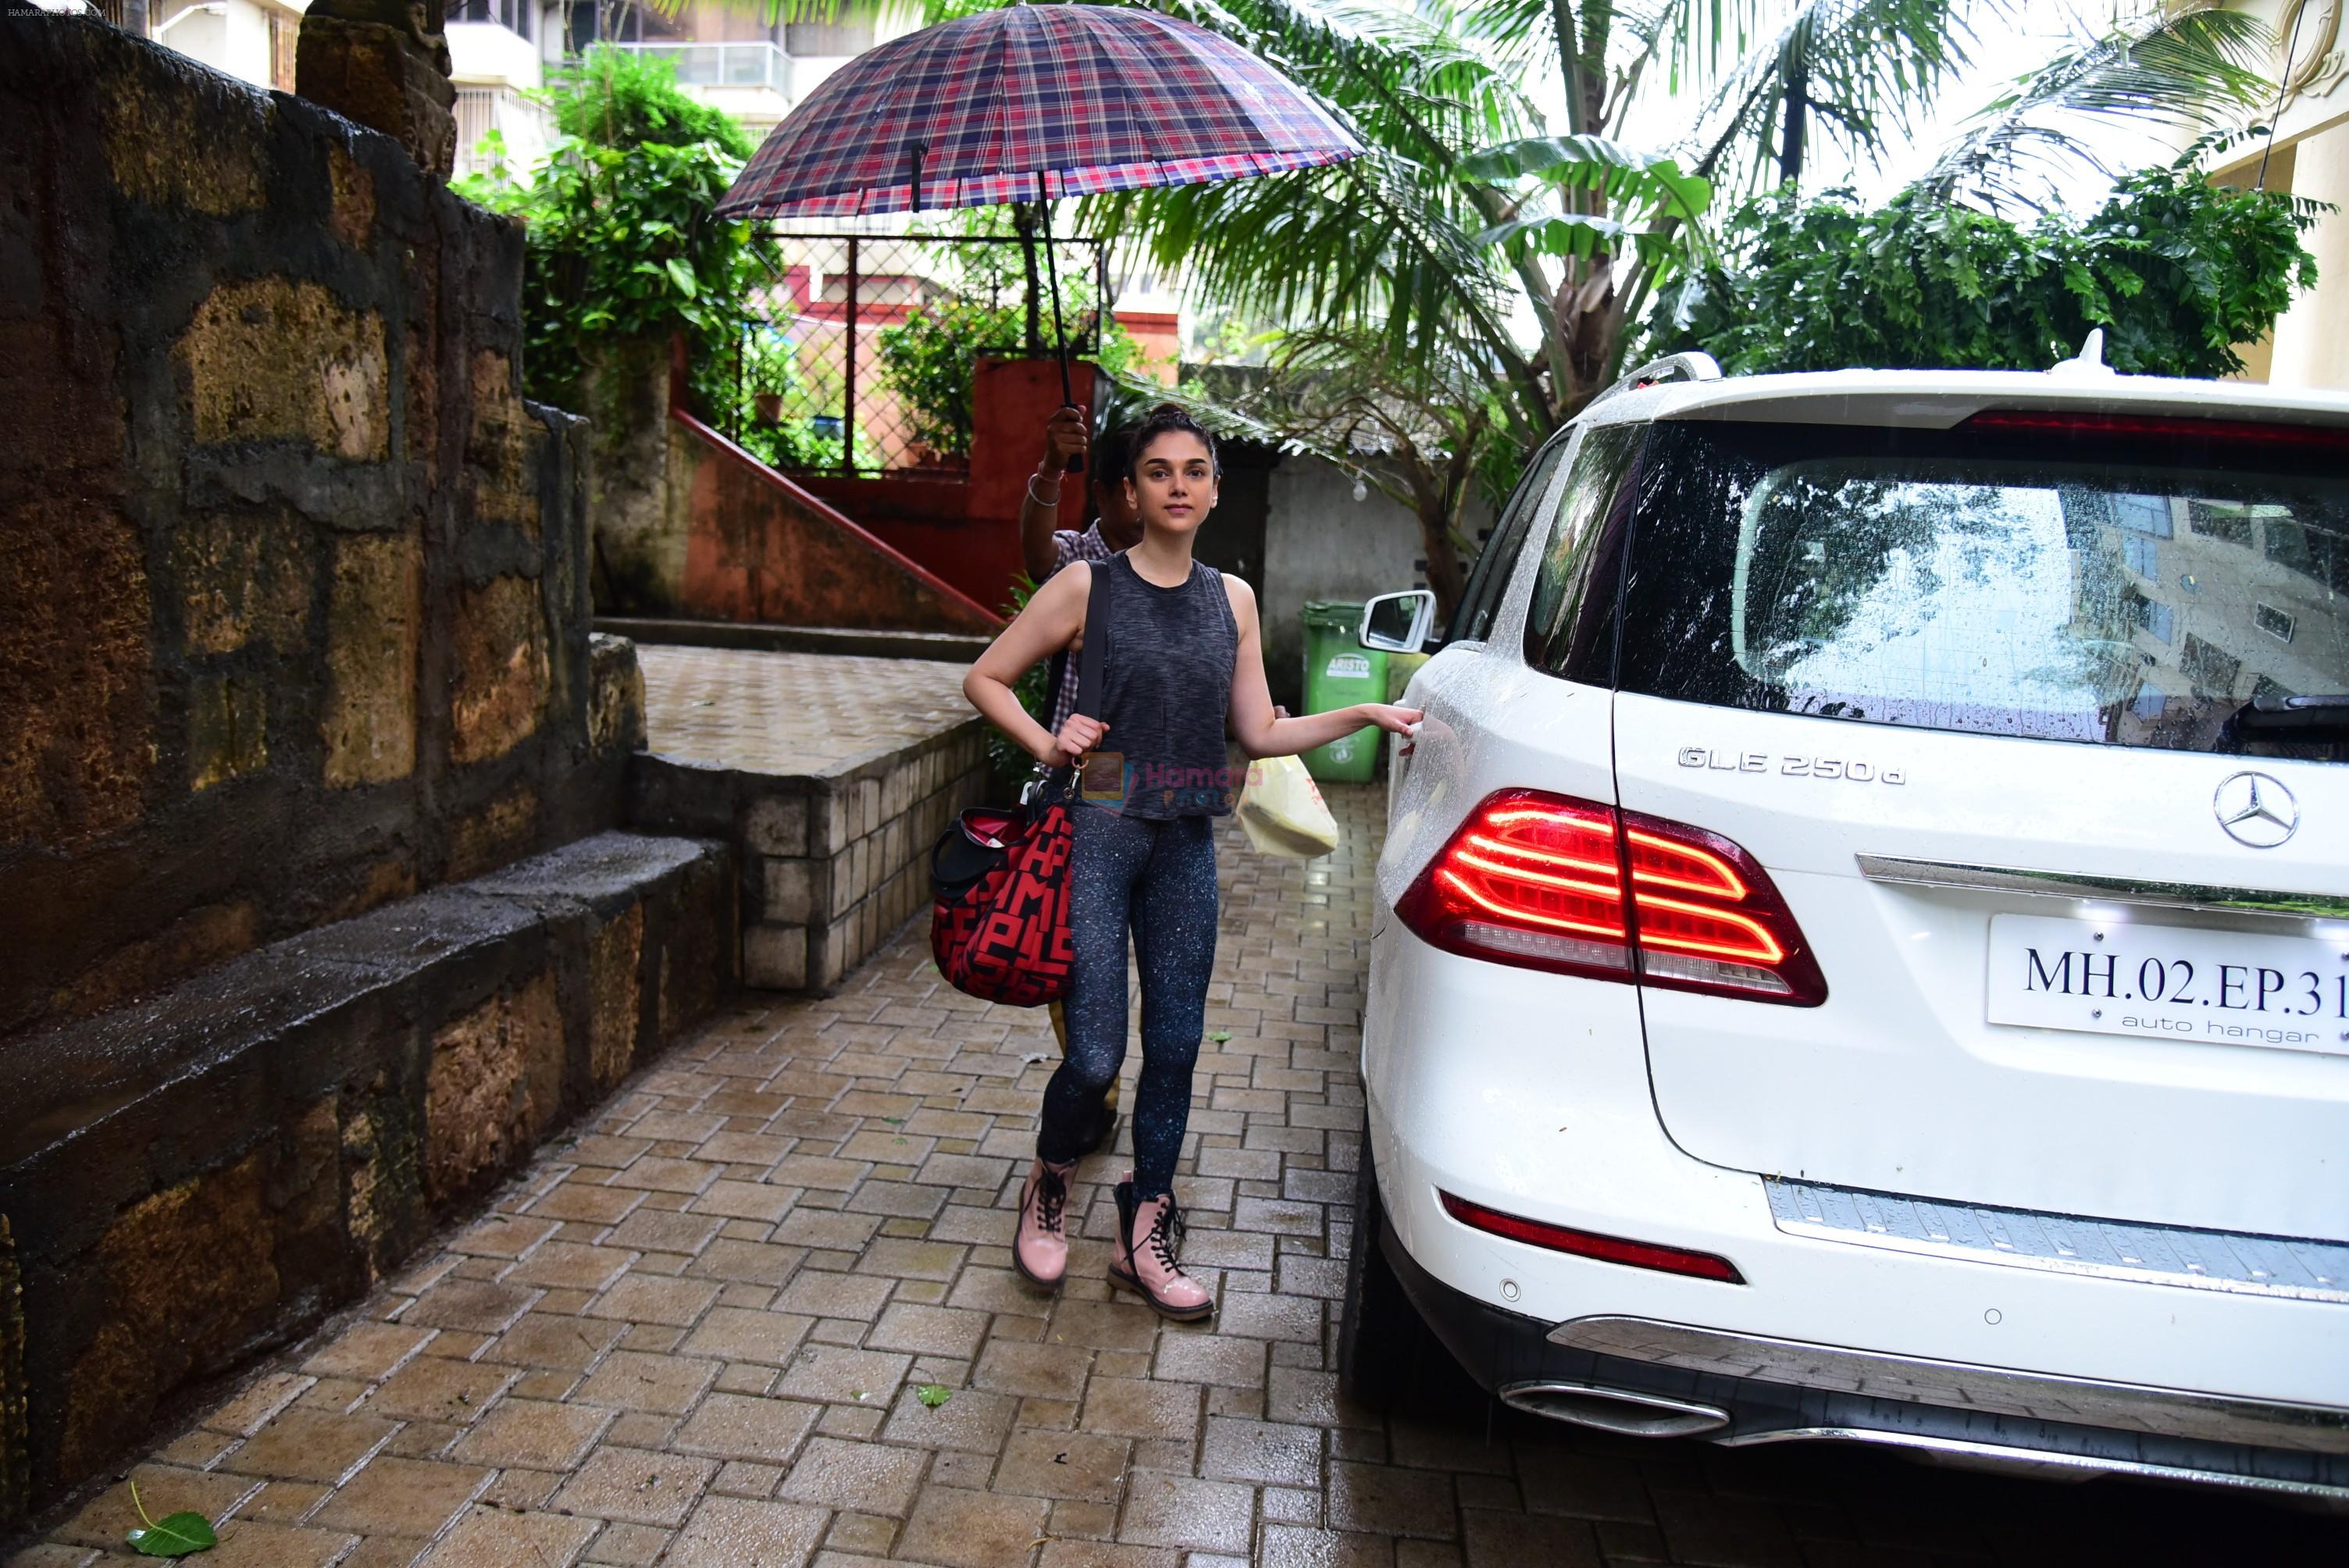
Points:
[(1048, 502)]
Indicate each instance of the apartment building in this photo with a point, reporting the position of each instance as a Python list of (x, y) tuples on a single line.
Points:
[(502, 51), (250, 39)]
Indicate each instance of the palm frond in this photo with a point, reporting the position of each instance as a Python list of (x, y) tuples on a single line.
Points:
[(2193, 67), (1363, 245), (1402, 82), (1695, 39), (1865, 70)]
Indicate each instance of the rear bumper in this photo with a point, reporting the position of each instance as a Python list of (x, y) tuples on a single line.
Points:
[(1742, 1390), (1529, 1094)]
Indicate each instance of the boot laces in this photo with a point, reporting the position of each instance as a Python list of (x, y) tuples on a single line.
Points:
[(1165, 1238), (1051, 1197)]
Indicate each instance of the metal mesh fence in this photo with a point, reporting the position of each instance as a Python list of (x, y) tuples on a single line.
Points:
[(857, 356)]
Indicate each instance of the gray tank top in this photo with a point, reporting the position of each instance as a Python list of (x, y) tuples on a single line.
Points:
[(1166, 689)]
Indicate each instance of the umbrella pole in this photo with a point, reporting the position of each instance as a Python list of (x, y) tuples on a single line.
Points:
[(1060, 335)]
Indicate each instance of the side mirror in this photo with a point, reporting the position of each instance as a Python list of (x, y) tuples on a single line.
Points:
[(1398, 623)]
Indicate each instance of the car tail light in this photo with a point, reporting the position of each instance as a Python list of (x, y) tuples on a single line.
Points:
[(1538, 881), (1591, 1244), (2160, 427)]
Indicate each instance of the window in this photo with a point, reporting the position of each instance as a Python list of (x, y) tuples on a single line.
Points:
[(2213, 671), (283, 32), (2151, 615), (511, 14), (2322, 557), (1962, 581), (1569, 631), (582, 26), (2221, 519), (1488, 580)]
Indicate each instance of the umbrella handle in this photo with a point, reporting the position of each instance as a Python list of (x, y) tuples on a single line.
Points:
[(1060, 335)]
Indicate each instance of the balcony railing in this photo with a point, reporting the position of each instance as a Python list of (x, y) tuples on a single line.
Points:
[(751, 65)]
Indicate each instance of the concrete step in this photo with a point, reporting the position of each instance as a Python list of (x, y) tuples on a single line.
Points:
[(205, 1172), (952, 647), (831, 776)]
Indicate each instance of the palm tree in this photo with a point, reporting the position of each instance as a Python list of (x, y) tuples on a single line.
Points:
[(1474, 278), (1481, 246), (1481, 215)]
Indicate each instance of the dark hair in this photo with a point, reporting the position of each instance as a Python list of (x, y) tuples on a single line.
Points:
[(1113, 457), (1165, 419)]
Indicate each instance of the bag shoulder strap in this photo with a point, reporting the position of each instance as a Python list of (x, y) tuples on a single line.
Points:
[(1088, 657)]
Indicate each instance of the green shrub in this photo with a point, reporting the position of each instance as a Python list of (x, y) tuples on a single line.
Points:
[(928, 358), (623, 246), (619, 97), (2175, 270)]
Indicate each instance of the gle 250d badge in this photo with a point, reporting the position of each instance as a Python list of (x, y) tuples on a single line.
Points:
[(1853, 769)]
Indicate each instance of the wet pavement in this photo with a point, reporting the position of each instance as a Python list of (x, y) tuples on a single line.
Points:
[(793, 713), (759, 1311)]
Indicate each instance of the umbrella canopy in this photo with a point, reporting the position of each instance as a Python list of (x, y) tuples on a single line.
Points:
[(1028, 102)]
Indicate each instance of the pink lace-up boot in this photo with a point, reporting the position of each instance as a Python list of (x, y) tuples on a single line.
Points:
[(1040, 1246), (1149, 1245)]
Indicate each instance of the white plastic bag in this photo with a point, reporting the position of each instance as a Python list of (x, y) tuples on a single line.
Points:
[(1282, 813)]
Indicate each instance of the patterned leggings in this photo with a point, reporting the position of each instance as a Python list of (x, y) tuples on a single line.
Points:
[(1157, 880)]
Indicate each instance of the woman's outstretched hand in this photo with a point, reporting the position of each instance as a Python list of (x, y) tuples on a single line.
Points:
[(1395, 720), (1077, 736)]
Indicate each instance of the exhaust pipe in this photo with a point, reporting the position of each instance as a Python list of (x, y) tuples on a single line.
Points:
[(1622, 1411)]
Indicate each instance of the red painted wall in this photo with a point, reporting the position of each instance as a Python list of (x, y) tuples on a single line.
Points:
[(1159, 336), (923, 553), (761, 548), (967, 530)]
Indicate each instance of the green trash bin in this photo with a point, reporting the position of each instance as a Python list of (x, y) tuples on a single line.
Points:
[(1338, 672)]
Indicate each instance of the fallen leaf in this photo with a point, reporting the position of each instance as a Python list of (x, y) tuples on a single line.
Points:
[(933, 1394), (1220, 1036), (173, 1535)]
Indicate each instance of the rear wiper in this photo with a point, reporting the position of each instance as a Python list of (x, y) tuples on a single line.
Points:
[(2323, 714)]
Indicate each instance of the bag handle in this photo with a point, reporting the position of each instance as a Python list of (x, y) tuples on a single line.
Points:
[(1088, 679), (1088, 657)]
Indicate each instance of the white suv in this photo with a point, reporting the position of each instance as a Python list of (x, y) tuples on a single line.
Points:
[(1968, 1066)]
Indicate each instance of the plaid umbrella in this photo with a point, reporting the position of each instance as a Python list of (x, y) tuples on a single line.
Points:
[(1033, 102)]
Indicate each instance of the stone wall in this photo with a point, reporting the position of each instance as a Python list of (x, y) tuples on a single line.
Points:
[(202, 1175), (309, 761), (293, 583), (830, 863)]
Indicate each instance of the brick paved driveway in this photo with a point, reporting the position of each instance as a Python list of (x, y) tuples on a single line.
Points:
[(697, 1334)]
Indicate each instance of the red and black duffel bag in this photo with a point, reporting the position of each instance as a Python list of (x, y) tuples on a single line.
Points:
[(999, 929)]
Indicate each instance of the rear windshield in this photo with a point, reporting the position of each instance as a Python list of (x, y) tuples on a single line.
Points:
[(2120, 590)]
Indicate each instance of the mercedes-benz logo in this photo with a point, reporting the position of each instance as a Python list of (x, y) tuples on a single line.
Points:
[(2256, 809)]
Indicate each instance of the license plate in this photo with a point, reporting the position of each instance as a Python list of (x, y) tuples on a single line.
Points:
[(2168, 982)]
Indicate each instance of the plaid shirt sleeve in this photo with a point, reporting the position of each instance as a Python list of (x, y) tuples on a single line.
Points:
[(1066, 547)]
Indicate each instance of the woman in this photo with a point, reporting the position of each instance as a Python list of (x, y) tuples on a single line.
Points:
[(1184, 653)]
